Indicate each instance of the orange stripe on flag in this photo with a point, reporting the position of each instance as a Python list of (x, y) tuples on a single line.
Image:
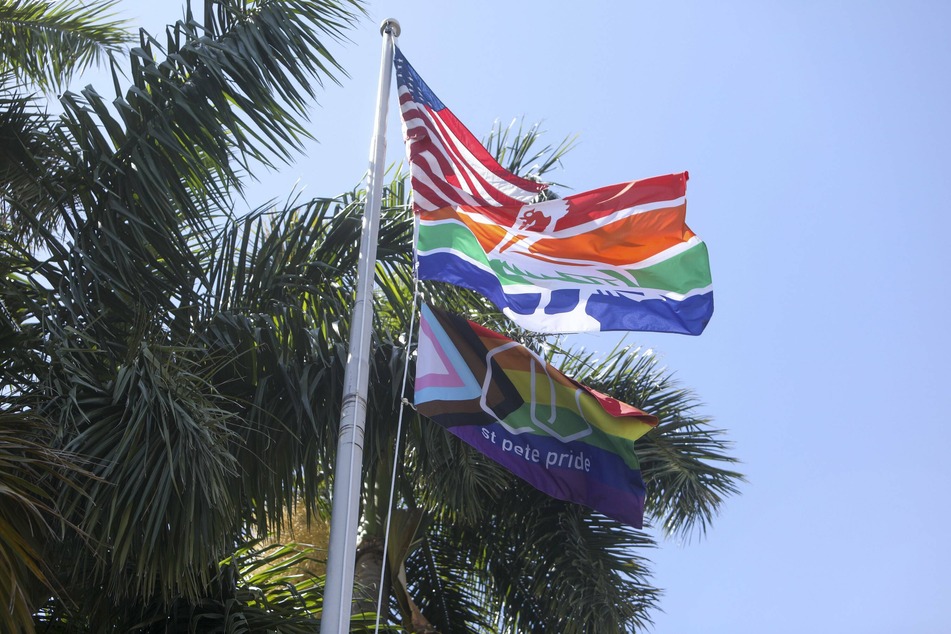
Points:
[(625, 241)]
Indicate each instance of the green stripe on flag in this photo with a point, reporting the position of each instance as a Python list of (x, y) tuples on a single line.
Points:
[(453, 236), (680, 273)]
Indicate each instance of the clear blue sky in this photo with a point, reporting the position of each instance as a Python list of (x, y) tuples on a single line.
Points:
[(817, 137)]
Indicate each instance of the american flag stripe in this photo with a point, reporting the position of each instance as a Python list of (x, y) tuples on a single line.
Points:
[(469, 155), (449, 165), (458, 167), (432, 167), (446, 158)]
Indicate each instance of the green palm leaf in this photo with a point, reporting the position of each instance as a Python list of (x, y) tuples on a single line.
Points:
[(685, 460), (31, 471), (46, 43)]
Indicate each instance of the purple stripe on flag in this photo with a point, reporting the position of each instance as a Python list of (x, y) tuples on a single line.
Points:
[(574, 471)]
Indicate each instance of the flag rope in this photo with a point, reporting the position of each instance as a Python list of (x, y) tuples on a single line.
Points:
[(399, 421)]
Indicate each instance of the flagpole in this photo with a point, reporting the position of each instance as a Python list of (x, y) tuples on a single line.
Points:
[(344, 515)]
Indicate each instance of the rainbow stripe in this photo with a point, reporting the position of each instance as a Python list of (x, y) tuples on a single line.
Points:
[(616, 258), (562, 437)]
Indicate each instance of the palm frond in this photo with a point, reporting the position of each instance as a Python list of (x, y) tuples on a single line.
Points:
[(259, 588), (518, 149), (142, 172), (46, 43), (264, 587), (28, 166), (144, 430), (31, 471), (535, 564), (685, 460)]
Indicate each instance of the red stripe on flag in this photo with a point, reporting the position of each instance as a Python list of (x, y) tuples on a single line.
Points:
[(485, 193), (448, 141), (605, 201)]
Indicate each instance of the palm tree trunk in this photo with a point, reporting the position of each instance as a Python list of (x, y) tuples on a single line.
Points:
[(367, 572), (368, 568)]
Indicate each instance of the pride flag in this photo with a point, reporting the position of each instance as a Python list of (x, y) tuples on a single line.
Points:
[(560, 436), (616, 258)]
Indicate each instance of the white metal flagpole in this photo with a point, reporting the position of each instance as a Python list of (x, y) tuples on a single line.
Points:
[(344, 515)]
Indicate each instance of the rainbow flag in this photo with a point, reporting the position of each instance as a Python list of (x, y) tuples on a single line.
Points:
[(560, 436), (617, 258)]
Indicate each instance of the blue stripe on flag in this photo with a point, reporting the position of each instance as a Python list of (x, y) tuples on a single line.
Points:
[(615, 310)]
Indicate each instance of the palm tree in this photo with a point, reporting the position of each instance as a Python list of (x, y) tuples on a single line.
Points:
[(179, 370), (110, 212), (40, 46)]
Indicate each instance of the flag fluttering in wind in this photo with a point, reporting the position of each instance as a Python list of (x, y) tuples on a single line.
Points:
[(616, 258), (563, 438), (449, 165)]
